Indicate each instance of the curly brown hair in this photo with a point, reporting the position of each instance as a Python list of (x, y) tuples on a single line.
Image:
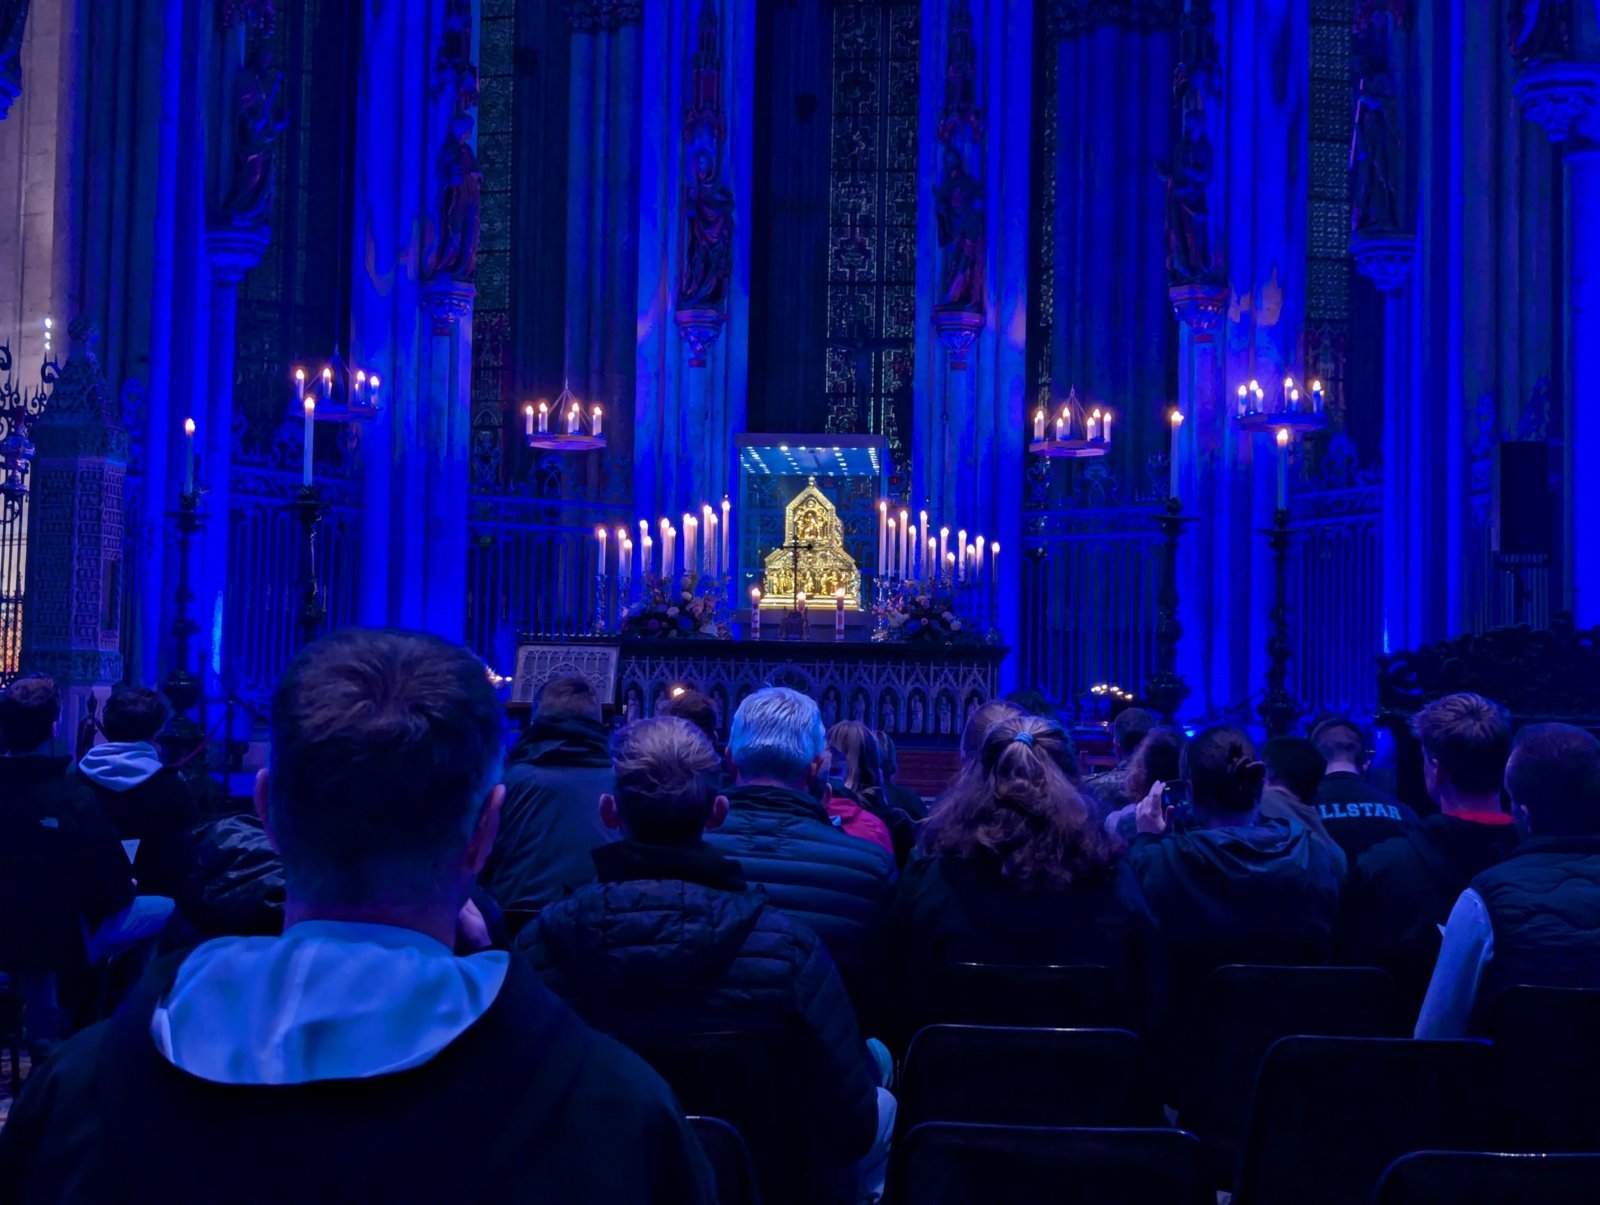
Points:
[(1012, 803)]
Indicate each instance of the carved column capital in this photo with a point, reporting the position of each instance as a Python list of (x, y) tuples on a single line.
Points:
[(1199, 307), (699, 326), (448, 301), (234, 250), (1384, 259), (1560, 94), (956, 330)]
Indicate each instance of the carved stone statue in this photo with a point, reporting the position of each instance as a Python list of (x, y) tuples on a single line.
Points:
[(707, 236), (1189, 259), (1375, 160), (460, 188), (958, 203), (256, 128), (1540, 29)]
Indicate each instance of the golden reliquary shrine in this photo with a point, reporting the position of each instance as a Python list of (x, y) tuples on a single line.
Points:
[(813, 552)]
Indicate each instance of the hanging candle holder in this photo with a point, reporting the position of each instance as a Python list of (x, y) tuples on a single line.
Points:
[(1289, 404), (1074, 432), (566, 426)]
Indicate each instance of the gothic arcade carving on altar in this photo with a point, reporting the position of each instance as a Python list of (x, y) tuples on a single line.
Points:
[(813, 551), (538, 663)]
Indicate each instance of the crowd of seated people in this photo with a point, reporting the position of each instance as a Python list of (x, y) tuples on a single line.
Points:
[(669, 885)]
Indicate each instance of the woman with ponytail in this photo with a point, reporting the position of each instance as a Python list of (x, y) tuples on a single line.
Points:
[(1226, 884), (1014, 869)]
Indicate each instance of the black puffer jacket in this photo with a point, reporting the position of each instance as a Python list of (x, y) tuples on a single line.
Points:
[(671, 941)]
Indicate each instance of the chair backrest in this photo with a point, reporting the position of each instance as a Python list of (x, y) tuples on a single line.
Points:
[(1547, 1045), (1244, 1010), (978, 993), (1330, 1114), (730, 1159), (945, 1163), (1479, 1178), (1012, 1076)]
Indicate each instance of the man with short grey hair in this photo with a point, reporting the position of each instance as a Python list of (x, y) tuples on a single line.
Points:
[(672, 941), (778, 829)]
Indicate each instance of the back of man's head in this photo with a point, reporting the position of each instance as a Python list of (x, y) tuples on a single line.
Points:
[(1224, 777), (1341, 742), (1554, 773), (667, 777), (1468, 738), (1294, 764), (135, 714), (777, 735), (1129, 728), (693, 706), (569, 695), (29, 709), (385, 747)]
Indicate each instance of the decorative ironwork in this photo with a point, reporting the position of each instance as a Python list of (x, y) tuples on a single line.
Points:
[(181, 687), (18, 409), (309, 508), (872, 232), (1278, 708), (1165, 690)]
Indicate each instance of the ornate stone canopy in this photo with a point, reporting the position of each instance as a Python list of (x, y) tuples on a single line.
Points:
[(813, 548)]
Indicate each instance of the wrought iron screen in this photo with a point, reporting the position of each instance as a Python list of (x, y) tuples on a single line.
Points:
[(13, 578)]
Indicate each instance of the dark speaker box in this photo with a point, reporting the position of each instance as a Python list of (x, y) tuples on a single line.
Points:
[(1524, 520)]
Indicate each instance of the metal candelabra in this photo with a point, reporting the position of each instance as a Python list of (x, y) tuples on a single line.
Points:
[(602, 623), (1165, 690), (1278, 707), (310, 508), (182, 688)]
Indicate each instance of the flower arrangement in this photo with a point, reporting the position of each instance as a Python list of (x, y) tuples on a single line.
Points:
[(664, 611), (926, 615)]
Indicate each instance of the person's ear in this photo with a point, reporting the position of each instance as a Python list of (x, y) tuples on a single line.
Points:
[(819, 766), (718, 813), (261, 795), (482, 839), (610, 813), (1523, 821)]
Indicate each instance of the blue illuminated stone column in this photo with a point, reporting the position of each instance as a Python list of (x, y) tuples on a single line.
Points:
[(1563, 96), (974, 150)]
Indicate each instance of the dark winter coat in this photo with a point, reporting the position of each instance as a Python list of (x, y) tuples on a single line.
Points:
[(528, 1104), (157, 813), (671, 941), (1401, 890), (550, 820), (834, 884), (1357, 814), (62, 867), (951, 909)]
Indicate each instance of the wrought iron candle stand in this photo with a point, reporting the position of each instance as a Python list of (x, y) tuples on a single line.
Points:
[(1278, 708), (182, 688), (602, 620), (1165, 690), (880, 611), (310, 509)]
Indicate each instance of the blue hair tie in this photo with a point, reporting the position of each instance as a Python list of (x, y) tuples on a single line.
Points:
[(1025, 737)]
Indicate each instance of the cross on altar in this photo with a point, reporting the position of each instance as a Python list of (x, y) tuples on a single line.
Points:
[(795, 548)]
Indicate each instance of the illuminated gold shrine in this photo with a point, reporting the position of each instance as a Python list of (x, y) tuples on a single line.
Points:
[(813, 539)]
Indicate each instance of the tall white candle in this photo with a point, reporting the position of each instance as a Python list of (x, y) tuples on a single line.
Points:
[(1094, 426), (596, 414), (644, 536), (1038, 425), (310, 441), (893, 568), (572, 419), (1172, 454), (527, 415), (914, 553), (961, 554), (627, 559), (930, 567), (994, 562), (544, 418), (1105, 427), (944, 545), (710, 557), (977, 563), (188, 456), (1283, 468), (600, 543), (755, 612), (690, 548), (950, 566), (883, 535), (922, 523), (838, 613), (900, 556), (727, 513), (646, 558)]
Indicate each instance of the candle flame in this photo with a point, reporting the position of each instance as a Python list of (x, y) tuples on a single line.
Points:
[(327, 374), (373, 380), (300, 375), (361, 377), (1283, 437), (528, 410), (1177, 419), (597, 411), (1243, 390), (1288, 382), (311, 407), (1316, 386), (600, 533), (188, 426)]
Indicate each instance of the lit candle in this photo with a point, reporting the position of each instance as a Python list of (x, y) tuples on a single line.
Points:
[(691, 527), (922, 520), (994, 562), (646, 558), (188, 456), (800, 602), (944, 544), (627, 557), (361, 383), (1172, 453), (544, 417), (310, 440), (972, 575), (1094, 426), (1294, 399), (572, 419), (900, 556), (883, 535), (527, 425), (755, 612), (600, 541), (838, 613), (669, 554), (961, 554), (893, 546), (977, 562), (949, 566), (727, 512), (644, 534), (915, 554), (372, 396), (710, 556), (1244, 393), (1061, 426), (327, 383), (1038, 425), (1316, 397), (1283, 468), (595, 413), (1105, 427), (930, 567)]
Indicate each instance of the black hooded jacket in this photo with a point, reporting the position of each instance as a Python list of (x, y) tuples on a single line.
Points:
[(551, 817), (671, 941)]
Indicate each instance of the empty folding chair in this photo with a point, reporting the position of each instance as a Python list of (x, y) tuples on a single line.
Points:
[(1329, 1114), (730, 1159), (944, 1163), (1007, 1076), (1478, 1178), (1547, 1043)]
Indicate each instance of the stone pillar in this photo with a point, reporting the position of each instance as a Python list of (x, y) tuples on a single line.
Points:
[(1563, 96), (973, 150), (1408, 454), (692, 318), (13, 19), (73, 607)]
